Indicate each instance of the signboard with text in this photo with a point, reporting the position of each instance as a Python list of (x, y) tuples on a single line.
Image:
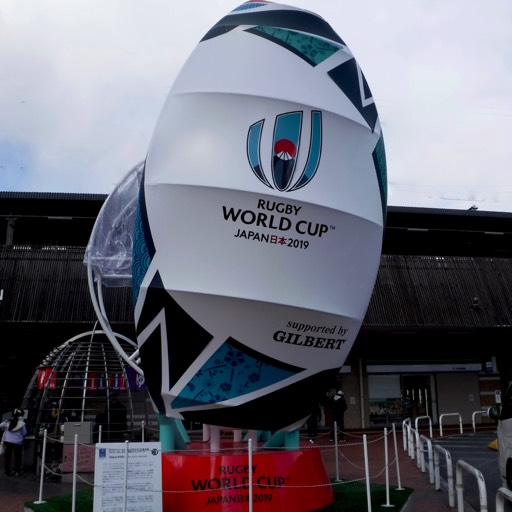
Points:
[(128, 477)]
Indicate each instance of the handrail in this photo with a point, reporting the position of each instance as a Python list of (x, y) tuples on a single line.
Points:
[(411, 437), (502, 494), (461, 464), (428, 441), (416, 421), (449, 414), (406, 425), (473, 417), (418, 448), (449, 472)]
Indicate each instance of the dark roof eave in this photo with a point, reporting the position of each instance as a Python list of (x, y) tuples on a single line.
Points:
[(66, 196)]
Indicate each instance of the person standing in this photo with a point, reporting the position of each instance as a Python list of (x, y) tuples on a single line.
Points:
[(339, 406), (312, 423), (14, 432)]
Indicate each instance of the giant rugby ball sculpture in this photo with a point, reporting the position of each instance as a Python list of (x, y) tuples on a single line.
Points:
[(260, 222)]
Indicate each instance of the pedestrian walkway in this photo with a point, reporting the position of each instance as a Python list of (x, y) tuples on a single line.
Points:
[(403, 472)]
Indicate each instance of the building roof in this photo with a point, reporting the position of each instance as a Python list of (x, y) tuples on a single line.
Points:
[(67, 219), (435, 263)]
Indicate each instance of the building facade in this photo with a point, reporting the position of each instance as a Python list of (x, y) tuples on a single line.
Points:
[(433, 340)]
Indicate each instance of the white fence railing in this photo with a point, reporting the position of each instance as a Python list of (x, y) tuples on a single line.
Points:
[(417, 445)]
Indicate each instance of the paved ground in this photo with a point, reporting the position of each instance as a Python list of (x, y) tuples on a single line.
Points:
[(402, 472)]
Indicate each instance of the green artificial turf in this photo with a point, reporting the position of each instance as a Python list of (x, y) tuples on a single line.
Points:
[(84, 502), (350, 497)]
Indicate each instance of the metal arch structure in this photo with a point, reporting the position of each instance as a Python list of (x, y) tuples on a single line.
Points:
[(99, 307), (66, 374), (109, 254)]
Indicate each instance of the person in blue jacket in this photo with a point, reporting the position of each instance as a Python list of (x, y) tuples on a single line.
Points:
[(14, 432)]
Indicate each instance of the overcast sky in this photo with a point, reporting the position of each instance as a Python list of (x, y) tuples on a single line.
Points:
[(82, 83)]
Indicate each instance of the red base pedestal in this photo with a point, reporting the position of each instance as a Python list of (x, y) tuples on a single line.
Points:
[(294, 481)]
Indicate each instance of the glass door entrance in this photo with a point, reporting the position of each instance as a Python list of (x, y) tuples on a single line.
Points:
[(394, 398), (416, 396)]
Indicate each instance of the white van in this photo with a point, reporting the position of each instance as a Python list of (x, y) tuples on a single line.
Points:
[(503, 415)]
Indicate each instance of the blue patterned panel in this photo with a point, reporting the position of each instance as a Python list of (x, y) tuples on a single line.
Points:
[(141, 257), (310, 48), (232, 371)]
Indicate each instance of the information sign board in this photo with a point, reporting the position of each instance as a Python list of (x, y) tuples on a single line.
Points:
[(128, 477)]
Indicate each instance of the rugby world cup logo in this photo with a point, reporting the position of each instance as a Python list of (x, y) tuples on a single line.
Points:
[(286, 143)]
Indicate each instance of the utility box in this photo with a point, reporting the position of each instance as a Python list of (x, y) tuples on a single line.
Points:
[(83, 430)]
